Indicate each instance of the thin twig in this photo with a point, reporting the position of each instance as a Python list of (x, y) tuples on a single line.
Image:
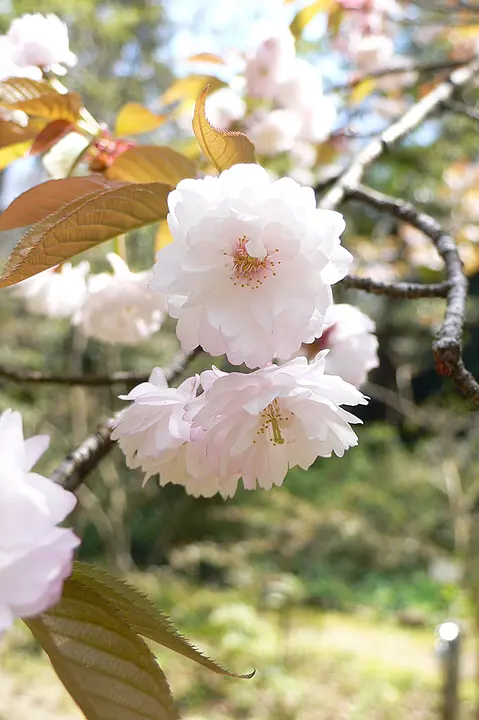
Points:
[(405, 290), (408, 122), (447, 347), (79, 463), (401, 70), (37, 376)]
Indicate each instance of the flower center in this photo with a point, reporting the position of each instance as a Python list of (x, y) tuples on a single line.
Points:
[(248, 270), (272, 421)]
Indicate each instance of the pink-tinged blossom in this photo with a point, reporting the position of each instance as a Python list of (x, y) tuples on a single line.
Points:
[(353, 347), (120, 308), (152, 430), (58, 292), (250, 268), (275, 131), (257, 426), (9, 68), (225, 107), (269, 66), (41, 41), (35, 555)]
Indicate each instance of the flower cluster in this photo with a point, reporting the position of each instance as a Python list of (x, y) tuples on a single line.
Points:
[(249, 275), (115, 308), (253, 426), (35, 43), (35, 555)]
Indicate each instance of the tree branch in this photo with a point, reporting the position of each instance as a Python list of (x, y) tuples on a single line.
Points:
[(401, 70), (408, 122), (79, 463), (405, 290), (38, 377), (447, 347)]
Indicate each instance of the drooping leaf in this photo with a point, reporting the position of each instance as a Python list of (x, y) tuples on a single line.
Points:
[(50, 135), (134, 119), (361, 90), (11, 133), (148, 163), (13, 152), (223, 148), (186, 90), (107, 669), (304, 16), (207, 57), (163, 236), (48, 197), (17, 89), (50, 106), (143, 616), (84, 223)]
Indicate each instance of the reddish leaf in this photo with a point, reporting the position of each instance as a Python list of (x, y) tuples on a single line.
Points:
[(42, 200), (50, 135)]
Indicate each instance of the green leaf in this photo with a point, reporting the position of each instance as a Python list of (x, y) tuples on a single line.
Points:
[(83, 223), (304, 16), (223, 148), (143, 616), (107, 669)]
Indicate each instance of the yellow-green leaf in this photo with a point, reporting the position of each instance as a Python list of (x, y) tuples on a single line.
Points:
[(17, 89), (361, 90), (223, 148), (50, 106), (13, 152), (84, 223), (134, 119), (107, 669), (207, 57), (142, 615), (304, 16), (185, 90), (148, 163)]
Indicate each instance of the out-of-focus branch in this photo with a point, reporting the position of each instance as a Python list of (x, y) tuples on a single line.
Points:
[(408, 122), (406, 290), (430, 67), (79, 463), (39, 377), (447, 347)]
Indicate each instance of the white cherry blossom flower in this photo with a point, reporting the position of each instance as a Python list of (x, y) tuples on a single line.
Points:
[(269, 66), (250, 268), (42, 41), (35, 555), (58, 161), (120, 308), (9, 68), (257, 426), (274, 132), (225, 106), (58, 292), (353, 347), (152, 431)]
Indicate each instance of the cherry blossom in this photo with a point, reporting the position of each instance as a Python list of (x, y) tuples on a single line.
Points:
[(250, 268), (269, 65), (349, 337), (35, 555), (58, 292), (120, 307), (256, 426), (225, 106), (151, 431), (42, 41), (9, 68), (274, 132)]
